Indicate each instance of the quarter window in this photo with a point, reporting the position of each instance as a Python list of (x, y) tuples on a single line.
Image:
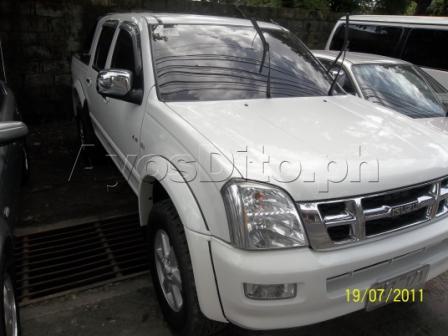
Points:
[(381, 40), (427, 47), (104, 42)]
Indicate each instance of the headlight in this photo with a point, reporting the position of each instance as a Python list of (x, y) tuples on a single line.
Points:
[(261, 216)]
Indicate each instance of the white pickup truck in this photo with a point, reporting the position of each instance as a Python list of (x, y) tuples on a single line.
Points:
[(267, 197)]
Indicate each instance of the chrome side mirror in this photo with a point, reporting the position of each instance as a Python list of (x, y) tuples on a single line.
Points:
[(115, 83), (342, 75), (11, 131)]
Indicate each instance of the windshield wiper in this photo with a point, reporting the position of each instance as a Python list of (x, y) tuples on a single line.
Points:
[(342, 51), (266, 50)]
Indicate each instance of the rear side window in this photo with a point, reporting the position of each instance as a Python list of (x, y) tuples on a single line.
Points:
[(104, 42), (381, 40), (427, 47)]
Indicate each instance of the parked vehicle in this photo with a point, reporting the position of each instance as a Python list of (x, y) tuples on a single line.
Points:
[(392, 83), (224, 129), (416, 39), (12, 132)]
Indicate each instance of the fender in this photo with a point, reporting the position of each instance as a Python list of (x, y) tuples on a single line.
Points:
[(77, 87), (161, 170)]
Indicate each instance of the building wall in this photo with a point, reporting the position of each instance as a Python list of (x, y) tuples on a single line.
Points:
[(39, 37)]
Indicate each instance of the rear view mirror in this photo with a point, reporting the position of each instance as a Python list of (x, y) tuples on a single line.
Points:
[(11, 131), (114, 83)]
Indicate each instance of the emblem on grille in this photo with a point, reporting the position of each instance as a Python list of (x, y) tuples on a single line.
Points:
[(403, 209)]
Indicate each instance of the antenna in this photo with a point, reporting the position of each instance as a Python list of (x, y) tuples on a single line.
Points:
[(341, 52)]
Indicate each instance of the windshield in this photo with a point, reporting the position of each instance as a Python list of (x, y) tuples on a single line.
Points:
[(399, 87), (216, 62)]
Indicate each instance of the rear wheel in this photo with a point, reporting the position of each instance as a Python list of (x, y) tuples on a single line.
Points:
[(172, 273)]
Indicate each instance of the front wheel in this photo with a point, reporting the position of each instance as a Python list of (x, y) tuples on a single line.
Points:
[(9, 323), (172, 273)]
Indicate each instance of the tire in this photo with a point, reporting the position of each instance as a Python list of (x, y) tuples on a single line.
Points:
[(12, 327), (185, 318)]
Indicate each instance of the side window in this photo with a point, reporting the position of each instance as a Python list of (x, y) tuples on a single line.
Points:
[(427, 47), (381, 40), (104, 42), (127, 54)]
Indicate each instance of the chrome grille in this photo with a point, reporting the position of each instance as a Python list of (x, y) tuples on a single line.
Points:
[(335, 223)]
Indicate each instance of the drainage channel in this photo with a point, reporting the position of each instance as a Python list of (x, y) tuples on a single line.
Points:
[(63, 260)]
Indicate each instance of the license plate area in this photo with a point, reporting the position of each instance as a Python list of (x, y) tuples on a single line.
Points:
[(412, 280)]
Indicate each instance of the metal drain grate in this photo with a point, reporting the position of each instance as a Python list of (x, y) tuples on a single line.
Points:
[(59, 261)]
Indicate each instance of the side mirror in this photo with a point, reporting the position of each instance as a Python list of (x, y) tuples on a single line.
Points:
[(115, 83), (11, 131), (341, 78)]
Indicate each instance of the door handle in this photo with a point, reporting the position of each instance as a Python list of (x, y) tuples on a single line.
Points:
[(88, 81), (106, 99)]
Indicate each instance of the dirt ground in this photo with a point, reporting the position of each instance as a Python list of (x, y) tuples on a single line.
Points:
[(130, 307)]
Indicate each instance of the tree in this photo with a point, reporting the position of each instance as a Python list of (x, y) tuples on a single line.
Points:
[(345, 5), (391, 7), (438, 7), (422, 6)]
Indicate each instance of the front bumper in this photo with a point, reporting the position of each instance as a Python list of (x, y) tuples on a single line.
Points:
[(322, 277)]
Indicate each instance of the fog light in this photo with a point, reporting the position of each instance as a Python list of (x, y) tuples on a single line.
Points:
[(270, 292)]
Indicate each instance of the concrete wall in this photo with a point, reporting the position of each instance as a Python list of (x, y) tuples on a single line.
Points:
[(39, 38)]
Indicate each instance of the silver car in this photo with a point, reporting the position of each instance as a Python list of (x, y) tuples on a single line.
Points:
[(392, 83)]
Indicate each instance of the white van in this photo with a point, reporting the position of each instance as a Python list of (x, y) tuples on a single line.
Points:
[(416, 39)]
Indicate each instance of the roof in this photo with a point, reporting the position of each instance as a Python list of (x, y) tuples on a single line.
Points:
[(358, 58), (434, 20), (177, 18)]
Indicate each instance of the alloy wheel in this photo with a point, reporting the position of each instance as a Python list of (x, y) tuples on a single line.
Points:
[(168, 271)]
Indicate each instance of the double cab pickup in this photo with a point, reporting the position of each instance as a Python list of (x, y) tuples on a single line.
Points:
[(265, 190)]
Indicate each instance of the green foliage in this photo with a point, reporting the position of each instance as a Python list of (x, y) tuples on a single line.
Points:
[(391, 7), (345, 5), (438, 7)]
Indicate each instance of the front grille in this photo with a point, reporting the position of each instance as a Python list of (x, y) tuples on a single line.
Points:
[(330, 224)]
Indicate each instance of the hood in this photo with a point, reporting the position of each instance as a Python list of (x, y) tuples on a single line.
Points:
[(439, 124), (320, 147)]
